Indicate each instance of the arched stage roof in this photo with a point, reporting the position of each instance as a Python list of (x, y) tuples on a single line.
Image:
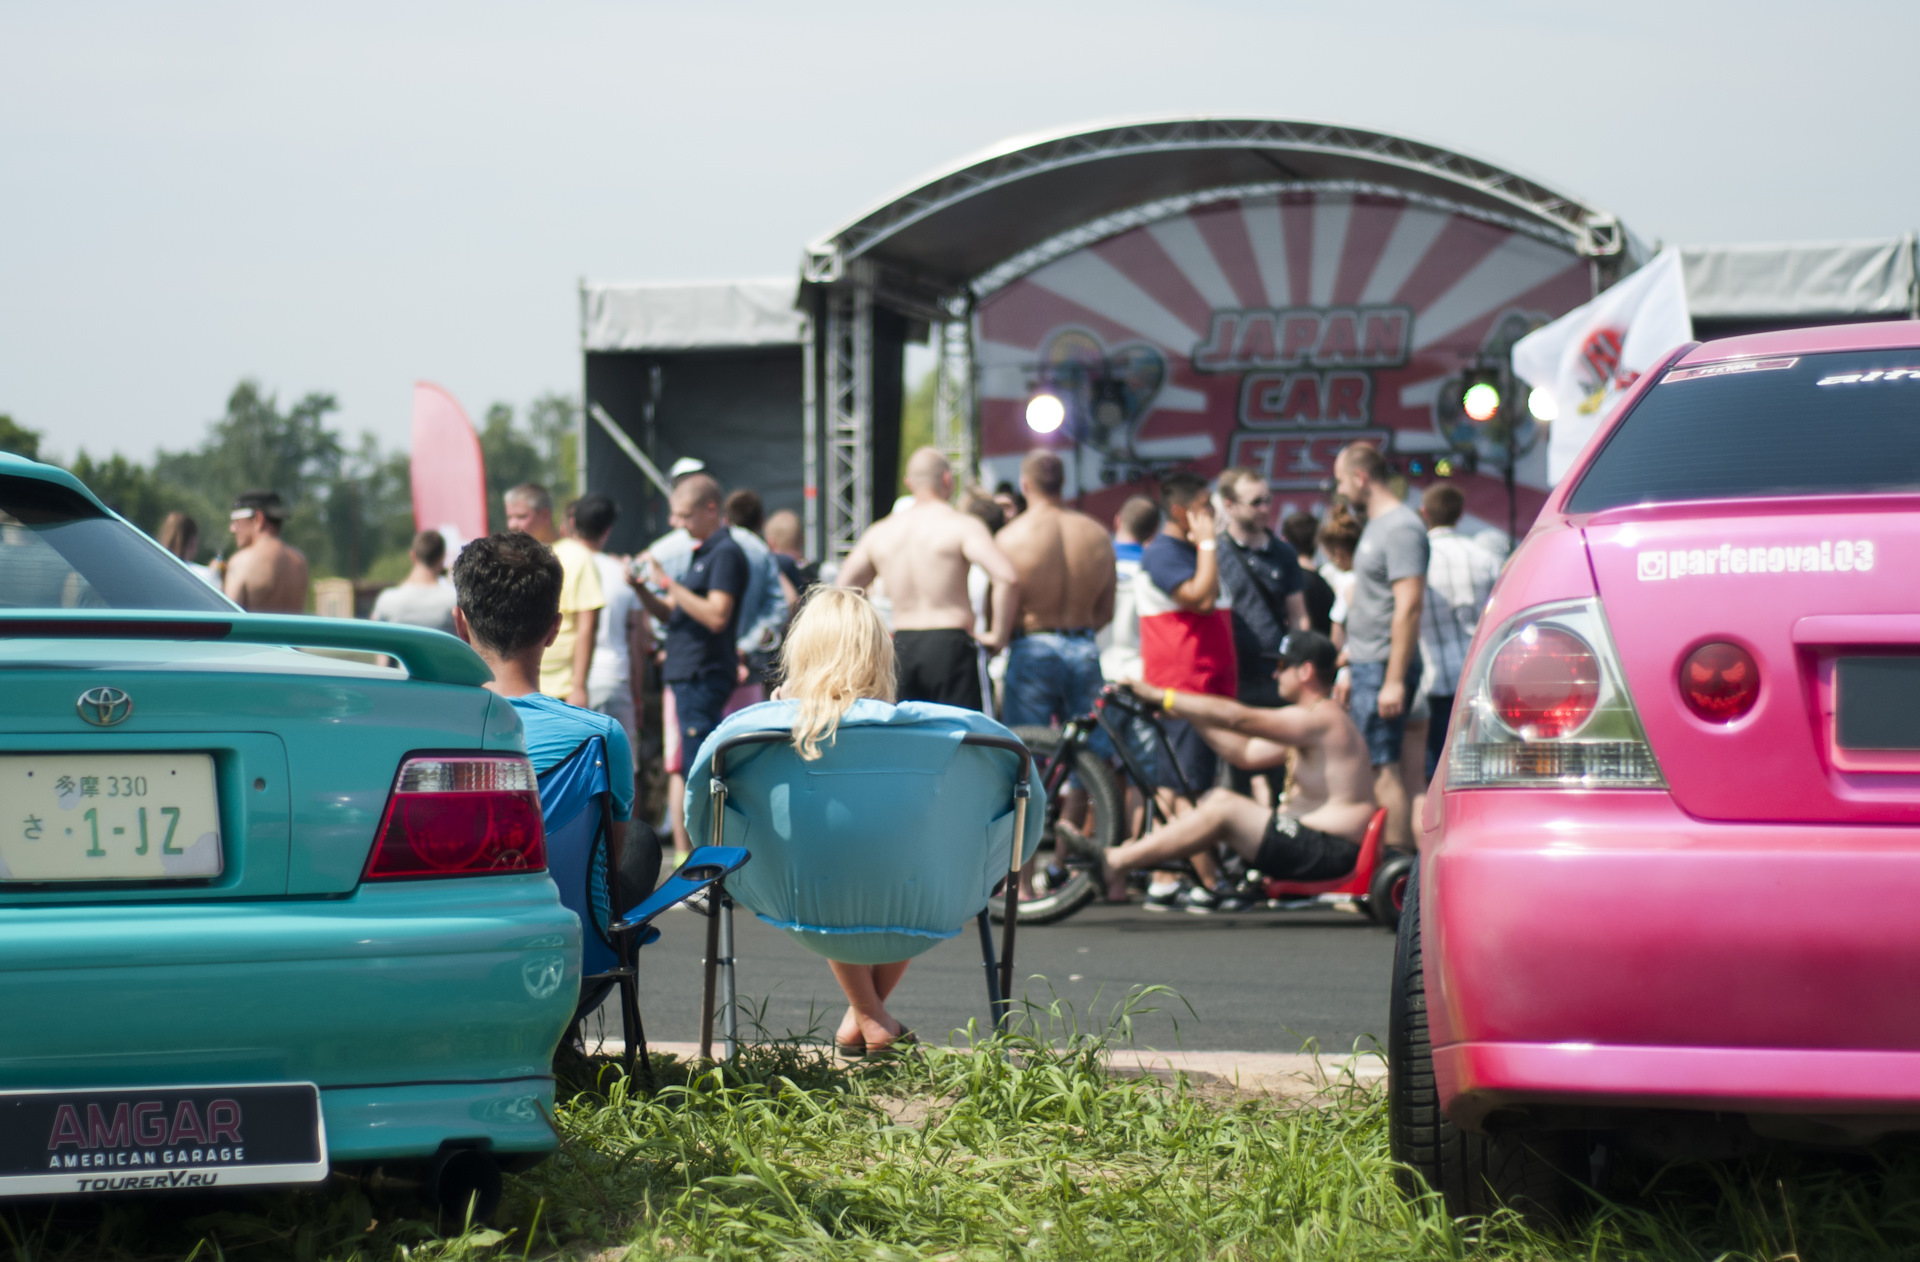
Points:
[(1031, 198)]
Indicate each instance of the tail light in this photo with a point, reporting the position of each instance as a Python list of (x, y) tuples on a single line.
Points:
[(1545, 704), (1720, 682), (460, 816), (1545, 682)]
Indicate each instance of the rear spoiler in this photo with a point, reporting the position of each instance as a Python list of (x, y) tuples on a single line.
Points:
[(433, 656)]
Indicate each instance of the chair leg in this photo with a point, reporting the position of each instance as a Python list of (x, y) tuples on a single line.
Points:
[(729, 1005), (996, 1005), (636, 1035), (709, 985)]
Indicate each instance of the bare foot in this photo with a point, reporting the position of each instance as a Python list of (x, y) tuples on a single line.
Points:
[(879, 1033), (849, 1032)]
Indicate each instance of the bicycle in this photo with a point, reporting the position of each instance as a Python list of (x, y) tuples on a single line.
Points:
[(1072, 880), (1377, 884)]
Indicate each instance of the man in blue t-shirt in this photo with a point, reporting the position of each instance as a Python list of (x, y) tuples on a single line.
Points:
[(509, 612), (701, 612)]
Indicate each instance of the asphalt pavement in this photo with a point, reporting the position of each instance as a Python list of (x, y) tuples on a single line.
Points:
[(1265, 981)]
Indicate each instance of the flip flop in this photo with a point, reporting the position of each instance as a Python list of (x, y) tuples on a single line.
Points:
[(905, 1038), (852, 1050)]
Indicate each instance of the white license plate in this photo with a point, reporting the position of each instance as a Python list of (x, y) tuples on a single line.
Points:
[(108, 817)]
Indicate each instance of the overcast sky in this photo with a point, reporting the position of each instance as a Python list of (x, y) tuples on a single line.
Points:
[(347, 197)]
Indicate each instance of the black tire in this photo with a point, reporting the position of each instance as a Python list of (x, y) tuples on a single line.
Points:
[(1474, 1174), (1387, 892), (1057, 902)]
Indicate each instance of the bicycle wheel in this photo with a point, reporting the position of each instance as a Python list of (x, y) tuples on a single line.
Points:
[(1063, 892)]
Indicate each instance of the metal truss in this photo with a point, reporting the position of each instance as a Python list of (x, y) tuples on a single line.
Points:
[(1588, 229), (953, 394), (1095, 230), (849, 408)]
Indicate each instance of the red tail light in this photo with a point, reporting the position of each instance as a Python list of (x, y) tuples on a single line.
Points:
[(460, 816), (1720, 682), (1545, 682)]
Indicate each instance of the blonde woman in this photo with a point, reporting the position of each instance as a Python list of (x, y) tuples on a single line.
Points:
[(838, 652)]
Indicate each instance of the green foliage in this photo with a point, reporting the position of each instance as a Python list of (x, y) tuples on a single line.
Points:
[(351, 504), (1020, 1146), (18, 439), (542, 450), (916, 422)]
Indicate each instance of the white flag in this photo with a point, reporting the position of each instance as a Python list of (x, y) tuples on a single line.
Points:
[(1589, 357)]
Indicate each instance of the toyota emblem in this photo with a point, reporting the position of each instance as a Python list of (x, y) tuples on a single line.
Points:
[(103, 707)]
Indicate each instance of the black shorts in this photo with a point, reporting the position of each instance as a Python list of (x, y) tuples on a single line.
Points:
[(1291, 851), (940, 666)]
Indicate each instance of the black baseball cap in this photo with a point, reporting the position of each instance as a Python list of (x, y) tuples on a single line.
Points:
[(1311, 646)]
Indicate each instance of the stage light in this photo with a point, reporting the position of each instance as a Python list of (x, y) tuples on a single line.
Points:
[(1045, 413), (1481, 402), (1541, 404)]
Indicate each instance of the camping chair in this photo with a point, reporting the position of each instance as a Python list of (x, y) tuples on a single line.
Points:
[(879, 850), (576, 802)]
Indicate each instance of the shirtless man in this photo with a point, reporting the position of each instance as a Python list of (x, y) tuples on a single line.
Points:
[(922, 553), (1065, 563), (1314, 833), (265, 574)]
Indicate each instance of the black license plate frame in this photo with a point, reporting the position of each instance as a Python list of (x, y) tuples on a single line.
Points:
[(110, 1140)]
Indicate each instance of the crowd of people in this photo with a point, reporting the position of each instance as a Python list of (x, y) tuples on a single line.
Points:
[(1303, 670)]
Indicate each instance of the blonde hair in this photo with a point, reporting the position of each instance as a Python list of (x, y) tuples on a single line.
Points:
[(836, 652)]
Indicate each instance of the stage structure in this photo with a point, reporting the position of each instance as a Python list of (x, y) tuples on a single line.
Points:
[(1733, 289), (712, 371), (1194, 292)]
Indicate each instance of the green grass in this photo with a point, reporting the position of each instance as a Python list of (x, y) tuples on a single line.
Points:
[(1023, 1147)]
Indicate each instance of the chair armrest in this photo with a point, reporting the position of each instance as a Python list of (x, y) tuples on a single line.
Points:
[(702, 868)]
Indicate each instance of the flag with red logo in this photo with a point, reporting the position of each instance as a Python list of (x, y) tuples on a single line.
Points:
[(1590, 356)]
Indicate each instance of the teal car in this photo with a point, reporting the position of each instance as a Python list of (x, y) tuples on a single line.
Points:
[(267, 908)]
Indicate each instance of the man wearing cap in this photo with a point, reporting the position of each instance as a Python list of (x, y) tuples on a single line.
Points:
[(1314, 833), (266, 574)]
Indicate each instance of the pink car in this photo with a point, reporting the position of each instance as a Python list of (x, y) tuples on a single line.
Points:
[(1669, 888)]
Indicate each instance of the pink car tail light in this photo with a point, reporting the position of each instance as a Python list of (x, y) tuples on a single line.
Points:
[(1545, 704), (1545, 682), (1720, 682), (460, 816)]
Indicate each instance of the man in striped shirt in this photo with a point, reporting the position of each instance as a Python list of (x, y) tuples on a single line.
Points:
[(1460, 577)]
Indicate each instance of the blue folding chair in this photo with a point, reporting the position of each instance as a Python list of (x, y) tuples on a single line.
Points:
[(576, 803), (880, 849)]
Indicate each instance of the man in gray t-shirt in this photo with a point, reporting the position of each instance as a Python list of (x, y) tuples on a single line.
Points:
[(1383, 624)]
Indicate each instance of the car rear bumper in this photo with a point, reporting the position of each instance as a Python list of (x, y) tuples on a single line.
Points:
[(1606, 948), (426, 1011)]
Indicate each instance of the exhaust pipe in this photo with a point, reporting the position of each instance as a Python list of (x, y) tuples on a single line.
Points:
[(463, 1184)]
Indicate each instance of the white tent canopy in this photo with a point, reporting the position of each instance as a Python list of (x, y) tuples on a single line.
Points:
[(1802, 279), (689, 316)]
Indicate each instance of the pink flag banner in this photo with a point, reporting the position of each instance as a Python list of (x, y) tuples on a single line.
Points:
[(449, 477)]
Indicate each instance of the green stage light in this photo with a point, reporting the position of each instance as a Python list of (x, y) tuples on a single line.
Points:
[(1481, 401)]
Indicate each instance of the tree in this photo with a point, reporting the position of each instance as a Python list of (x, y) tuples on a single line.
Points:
[(511, 459), (132, 491), (18, 439)]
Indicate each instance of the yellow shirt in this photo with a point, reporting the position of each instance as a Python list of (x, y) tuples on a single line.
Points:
[(580, 591)]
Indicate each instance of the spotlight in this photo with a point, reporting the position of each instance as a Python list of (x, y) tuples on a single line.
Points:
[(1481, 402), (1045, 413), (1541, 403)]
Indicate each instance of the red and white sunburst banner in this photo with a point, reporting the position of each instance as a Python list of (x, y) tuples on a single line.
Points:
[(1269, 331)]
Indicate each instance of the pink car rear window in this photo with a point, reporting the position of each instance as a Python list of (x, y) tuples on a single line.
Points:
[(1840, 423)]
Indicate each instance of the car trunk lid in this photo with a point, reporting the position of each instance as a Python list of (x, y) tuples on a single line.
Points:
[(303, 751), (1809, 587)]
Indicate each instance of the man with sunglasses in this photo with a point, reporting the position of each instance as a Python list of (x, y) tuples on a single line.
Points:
[(1261, 572)]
